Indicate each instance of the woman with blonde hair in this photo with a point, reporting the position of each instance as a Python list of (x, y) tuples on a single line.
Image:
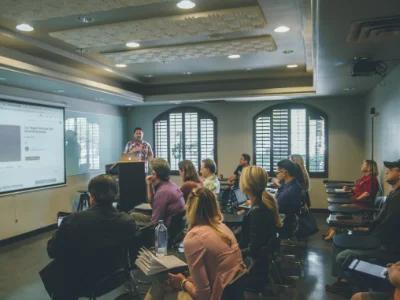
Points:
[(211, 250), (303, 178), (190, 178), (260, 223)]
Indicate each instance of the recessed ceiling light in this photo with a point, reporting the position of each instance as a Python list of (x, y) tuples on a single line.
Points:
[(186, 4), (281, 29), (148, 76), (85, 19), (292, 66), (81, 50), (59, 91), (128, 104), (349, 89), (120, 65), (101, 99), (234, 56), (24, 27), (133, 45), (187, 73), (248, 69), (287, 51), (109, 70)]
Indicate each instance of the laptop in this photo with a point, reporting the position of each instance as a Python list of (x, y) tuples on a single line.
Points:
[(60, 216), (128, 157)]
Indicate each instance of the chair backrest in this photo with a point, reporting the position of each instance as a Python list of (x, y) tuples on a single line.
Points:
[(176, 226), (235, 288)]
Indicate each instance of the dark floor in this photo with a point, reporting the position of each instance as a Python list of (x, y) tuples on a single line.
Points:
[(20, 263)]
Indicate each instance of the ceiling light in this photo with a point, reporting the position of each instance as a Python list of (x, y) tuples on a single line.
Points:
[(101, 99), (349, 89), (81, 50), (109, 70), (248, 69), (133, 45), (186, 4), (59, 91), (165, 62), (187, 73), (24, 27), (120, 65), (85, 19), (292, 66), (281, 29), (288, 51), (234, 56), (148, 76)]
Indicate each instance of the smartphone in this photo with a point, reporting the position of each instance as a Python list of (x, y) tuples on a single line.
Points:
[(368, 268)]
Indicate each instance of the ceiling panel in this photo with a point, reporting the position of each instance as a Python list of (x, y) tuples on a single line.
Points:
[(204, 23), (28, 10), (211, 49)]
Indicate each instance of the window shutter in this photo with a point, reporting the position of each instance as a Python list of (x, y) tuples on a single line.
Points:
[(161, 139), (317, 146), (81, 131), (191, 138), (280, 135), (298, 133), (263, 142), (70, 124), (176, 144), (93, 145), (206, 138)]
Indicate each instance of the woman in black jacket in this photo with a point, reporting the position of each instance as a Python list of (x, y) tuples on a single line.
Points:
[(260, 223)]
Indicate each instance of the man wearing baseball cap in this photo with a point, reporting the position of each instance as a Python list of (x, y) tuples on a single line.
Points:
[(385, 227)]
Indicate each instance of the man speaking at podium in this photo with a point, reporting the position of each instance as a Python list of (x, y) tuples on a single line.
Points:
[(141, 149)]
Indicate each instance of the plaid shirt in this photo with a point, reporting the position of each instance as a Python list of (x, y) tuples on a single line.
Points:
[(142, 155)]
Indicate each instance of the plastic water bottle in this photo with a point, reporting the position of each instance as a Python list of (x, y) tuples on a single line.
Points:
[(161, 239)]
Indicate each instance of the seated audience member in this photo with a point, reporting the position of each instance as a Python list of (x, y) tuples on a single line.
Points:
[(288, 196), (385, 227), (165, 197), (302, 177), (86, 238), (393, 273), (366, 188), (190, 178), (260, 223), (211, 251), (244, 162), (208, 169)]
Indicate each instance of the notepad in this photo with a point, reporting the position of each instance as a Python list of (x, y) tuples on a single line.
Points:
[(143, 206), (339, 191), (150, 264)]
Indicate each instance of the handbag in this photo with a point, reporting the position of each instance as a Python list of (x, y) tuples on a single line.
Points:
[(306, 224)]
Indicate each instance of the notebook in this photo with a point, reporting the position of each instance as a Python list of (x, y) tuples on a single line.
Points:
[(150, 264), (355, 220)]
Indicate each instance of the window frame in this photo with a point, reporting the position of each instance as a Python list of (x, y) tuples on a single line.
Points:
[(202, 114), (309, 111)]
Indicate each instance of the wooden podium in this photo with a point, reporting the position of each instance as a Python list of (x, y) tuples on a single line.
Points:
[(132, 184)]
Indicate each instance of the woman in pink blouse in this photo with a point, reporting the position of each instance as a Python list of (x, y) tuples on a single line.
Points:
[(190, 178), (211, 250)]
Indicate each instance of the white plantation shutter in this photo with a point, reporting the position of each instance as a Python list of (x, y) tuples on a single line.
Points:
[(185, 133), (283, 130), (263, 142), (161, 141)]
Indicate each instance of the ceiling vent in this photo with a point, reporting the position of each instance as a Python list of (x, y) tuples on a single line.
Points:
[(375, 30), (213, 101)]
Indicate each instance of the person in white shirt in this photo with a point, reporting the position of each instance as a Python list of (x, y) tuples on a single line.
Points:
[(208, 169)]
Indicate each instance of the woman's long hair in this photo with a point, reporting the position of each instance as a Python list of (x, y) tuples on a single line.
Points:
[(298, 159), (253, 182), (189, 171), (202, 208), (372, 167)]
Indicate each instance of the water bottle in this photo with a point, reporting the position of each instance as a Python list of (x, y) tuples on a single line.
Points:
[(161, 239)]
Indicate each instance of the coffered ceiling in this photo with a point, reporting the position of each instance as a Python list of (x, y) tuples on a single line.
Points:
[(219, 49)]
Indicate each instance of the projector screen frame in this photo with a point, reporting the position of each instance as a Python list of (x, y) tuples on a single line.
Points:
[(42, 187)]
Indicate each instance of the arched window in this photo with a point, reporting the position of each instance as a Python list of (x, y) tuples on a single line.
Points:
[(185, 133), (285, 129)]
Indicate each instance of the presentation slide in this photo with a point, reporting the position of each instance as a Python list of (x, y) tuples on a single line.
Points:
[(31, 146)]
